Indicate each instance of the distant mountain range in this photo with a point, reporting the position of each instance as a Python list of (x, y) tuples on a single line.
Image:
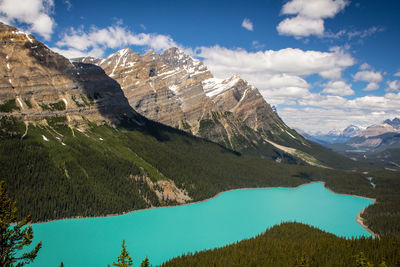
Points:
[(334, 136), (377, 144)]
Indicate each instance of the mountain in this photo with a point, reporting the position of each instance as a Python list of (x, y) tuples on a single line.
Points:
[(72, 145), (395, 123), (335, 136), (37, 83), (178, 90), (377, 144), (351, 131), (387, 126)]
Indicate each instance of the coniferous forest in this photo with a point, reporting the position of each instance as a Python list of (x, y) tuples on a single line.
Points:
[(95, 174), (295, 244)]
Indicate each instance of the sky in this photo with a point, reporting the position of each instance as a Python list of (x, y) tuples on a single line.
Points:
[(324, 64)]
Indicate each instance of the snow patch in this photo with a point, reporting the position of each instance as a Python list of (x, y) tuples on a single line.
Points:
[(27, 36), (8, 66), (45, 138), (173, 88), (121, 53), (101, 139), (10, 81), (65, 101), (214, 86)]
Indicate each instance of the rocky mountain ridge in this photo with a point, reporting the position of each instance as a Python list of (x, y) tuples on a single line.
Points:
[(36, 83), (178, 90)]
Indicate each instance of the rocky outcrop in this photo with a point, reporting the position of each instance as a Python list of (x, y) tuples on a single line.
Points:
[(36, 83), (178, 90)]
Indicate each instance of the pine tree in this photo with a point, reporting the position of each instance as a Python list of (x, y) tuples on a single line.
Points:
[(124, 260), (145, 263), (362, 261), (14, 238)]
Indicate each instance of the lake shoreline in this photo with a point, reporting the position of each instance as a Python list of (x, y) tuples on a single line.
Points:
[(359, 219)]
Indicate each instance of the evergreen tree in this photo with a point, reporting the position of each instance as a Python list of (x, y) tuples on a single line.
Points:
[(362, 261), (145, 263), (303, 262), (14, 238), (124, 260)]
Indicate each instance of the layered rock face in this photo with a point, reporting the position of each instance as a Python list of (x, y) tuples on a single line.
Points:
[(177, 90), (36, 83)]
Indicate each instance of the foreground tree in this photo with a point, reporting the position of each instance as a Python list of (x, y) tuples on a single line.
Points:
[(124, 260), (14, 238), (145, 263)]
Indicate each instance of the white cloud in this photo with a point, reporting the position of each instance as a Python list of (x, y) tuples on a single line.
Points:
[(365, 33), (69, 4), (339, 88), (368, 76), (371, 86), (291, 61), (257, 45), (97, 40), (278, 74), (247, 24), (309, 16), (301, 26), (34, 13), (322, 120), (365, 66), (397, 74), (393, 85)]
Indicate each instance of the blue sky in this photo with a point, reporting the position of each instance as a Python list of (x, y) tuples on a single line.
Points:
[(325, 64)]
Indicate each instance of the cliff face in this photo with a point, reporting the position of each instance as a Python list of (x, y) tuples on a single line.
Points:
[(36, 83), (177, 90)]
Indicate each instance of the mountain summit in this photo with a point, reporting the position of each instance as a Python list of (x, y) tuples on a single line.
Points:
[(175, 89)]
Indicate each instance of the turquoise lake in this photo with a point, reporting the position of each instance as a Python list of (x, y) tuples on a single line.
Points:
[(164, 233)]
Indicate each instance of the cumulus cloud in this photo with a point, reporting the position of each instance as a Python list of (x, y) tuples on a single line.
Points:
[(34, 13), (393, 85), (371, 86), (331, 117), (276, 72), (368, 76), (247, 24), (301, 27), (279, 74), (309, 16), (335, 112), (290, 61), (339, 88), (94, 42), (365, 66)]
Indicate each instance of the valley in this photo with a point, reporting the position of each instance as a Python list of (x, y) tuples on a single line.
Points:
[(94, 137)]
